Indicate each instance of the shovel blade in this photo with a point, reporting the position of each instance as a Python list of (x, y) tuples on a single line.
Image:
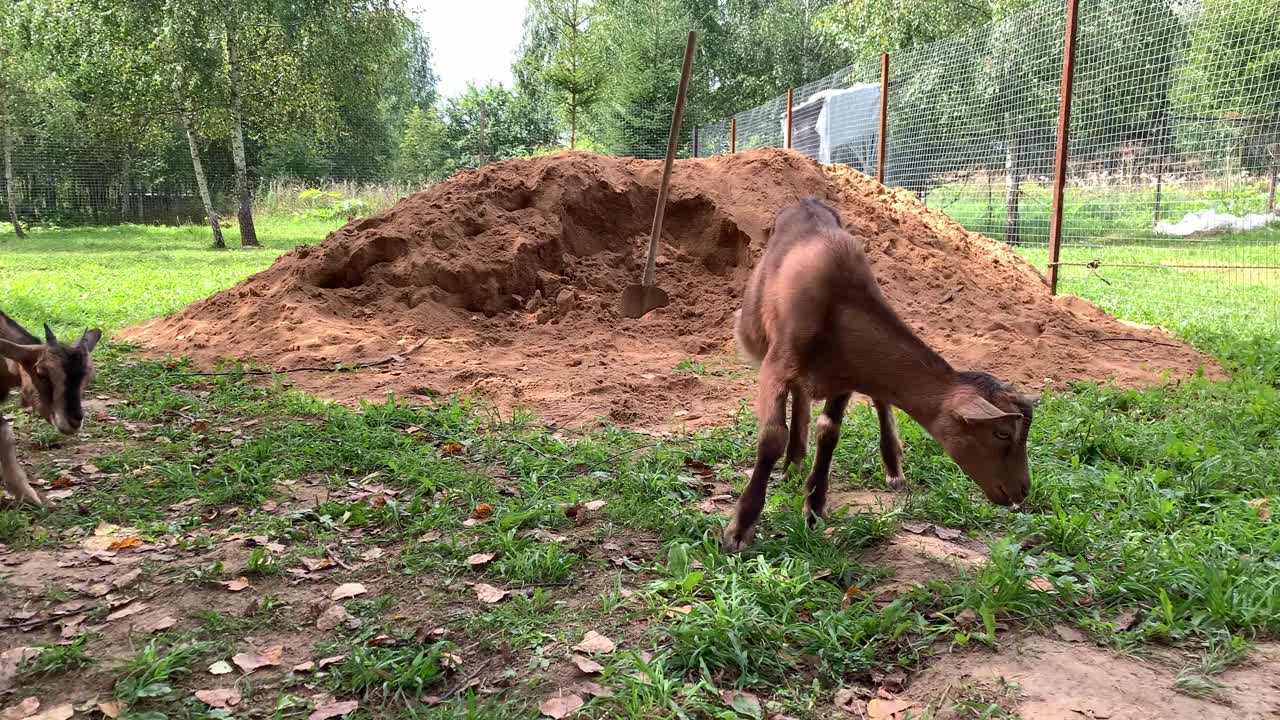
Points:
[(638, 300)]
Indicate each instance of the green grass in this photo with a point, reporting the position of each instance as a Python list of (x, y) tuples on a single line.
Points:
[(1112, 227), (111, 277), (1147, 501)]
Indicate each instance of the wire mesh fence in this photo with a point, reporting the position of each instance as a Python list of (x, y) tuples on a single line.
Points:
[(1169, 199)]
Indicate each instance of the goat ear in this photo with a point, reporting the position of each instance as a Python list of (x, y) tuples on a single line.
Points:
[(24, 355), (49, 337), (978, 409), (89, 340)]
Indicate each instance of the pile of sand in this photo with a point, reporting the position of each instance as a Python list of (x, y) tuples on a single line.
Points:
[(505, 282)]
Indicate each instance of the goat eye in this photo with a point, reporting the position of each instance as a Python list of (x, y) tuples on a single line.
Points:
[(1003, 435)]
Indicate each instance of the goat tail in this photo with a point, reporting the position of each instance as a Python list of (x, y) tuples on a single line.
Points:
[(744, 350)]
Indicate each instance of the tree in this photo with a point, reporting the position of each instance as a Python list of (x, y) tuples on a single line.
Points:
[(559, 39), (490, 123), (424, 149), (31, 99), (1229, 83)]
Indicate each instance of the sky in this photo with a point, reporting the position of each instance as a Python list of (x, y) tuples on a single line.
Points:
[(471, 40)]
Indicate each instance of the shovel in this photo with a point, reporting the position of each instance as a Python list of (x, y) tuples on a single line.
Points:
[(637, 300)]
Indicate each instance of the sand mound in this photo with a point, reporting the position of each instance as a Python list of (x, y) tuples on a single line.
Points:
[(505, 281)]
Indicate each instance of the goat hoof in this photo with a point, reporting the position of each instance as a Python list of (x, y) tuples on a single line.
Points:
[(795, 458), (812, 515), (896, 483), (733, 540)]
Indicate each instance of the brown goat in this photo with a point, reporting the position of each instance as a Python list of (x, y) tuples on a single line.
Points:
[(815, 321), (51, 378)]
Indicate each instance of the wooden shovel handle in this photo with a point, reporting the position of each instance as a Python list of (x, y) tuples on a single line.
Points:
[(672, 142)]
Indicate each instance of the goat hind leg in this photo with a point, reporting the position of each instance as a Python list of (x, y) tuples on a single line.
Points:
[(890, 447), (15, 480), (815, 488), (798, 442), (771, 405)]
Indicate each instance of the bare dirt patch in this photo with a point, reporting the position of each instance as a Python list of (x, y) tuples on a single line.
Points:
[(1054, 680), (504, 282)]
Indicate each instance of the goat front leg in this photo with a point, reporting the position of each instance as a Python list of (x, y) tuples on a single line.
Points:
[(890, 447), (815, 488), (771, 406), (15, 480), (798, 443)]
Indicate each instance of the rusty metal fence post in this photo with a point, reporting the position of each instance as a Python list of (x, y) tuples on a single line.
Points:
[(788, 139), (733, 134), (884, 113), (1060, 158)]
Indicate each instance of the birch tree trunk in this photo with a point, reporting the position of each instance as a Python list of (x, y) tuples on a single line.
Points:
[(9, 193), (1013, 187), (248, 233), (201, 182), (126, 185)]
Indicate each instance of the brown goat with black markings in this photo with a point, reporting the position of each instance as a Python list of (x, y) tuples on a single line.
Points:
[(51, 378), (815, 321)]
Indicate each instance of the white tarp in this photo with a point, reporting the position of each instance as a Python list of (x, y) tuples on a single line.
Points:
[(849, 117), (1210, 221)]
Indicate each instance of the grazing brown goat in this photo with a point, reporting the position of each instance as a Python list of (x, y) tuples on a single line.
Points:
[(815, 321), (51, 378)]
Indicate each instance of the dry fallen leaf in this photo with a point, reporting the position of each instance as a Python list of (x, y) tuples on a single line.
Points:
[(372, 554), (480, 559), (222, 667), (593, 643), (24, 709), (1068, 633), (240, 583), (126, 611), (848, 701), (849, 595), (1125, 620), (482, 511), (307, 666), (127, 579), (430, 536), (219, 697), (1039, 584), (155, 625), (112, 708), (333, 710), (124, 543), (966, 618), (452, 448), (560, 706), (57, 712), (587, 665), (348, 590), (916, 528), (10, 660), (334, 616), (878, 709), (325, 662), (744, 703), (489, 594), (594, 505), (593, 689), (250, 661), (947, 533), (72, 627), (316, 564), (1263, 506)]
